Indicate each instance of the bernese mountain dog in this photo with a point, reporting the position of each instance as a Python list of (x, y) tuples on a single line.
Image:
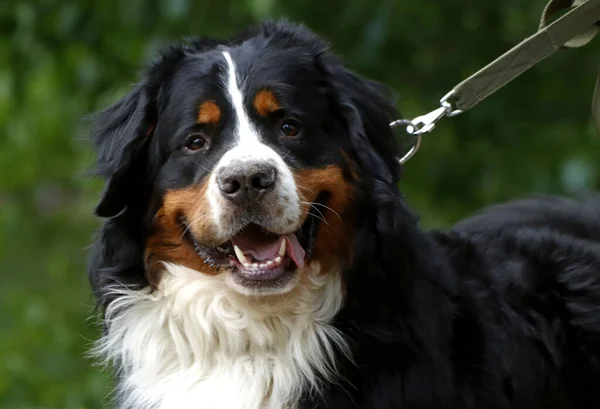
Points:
[(257, 252)]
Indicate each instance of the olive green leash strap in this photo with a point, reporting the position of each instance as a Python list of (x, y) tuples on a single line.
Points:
[(585, 35), (576, 28), (581, 39)]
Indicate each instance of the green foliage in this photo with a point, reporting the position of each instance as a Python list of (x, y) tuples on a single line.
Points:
[(64, 59)]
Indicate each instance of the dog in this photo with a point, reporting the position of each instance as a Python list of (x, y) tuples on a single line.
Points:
[(257, 253)]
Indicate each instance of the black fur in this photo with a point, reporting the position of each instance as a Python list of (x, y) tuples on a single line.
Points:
[(502, 311)]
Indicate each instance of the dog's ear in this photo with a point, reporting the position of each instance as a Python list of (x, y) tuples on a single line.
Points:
[(119, 134), (367, 110)]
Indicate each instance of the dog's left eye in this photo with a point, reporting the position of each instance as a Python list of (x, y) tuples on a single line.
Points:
[(195, 143), (290, 128)]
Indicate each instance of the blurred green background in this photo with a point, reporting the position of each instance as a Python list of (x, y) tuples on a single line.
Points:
[(61, 60)]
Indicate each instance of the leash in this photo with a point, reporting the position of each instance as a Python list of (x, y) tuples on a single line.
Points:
[(576, 28)]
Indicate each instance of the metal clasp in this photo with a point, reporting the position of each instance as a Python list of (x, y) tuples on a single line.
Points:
[(425, 123)]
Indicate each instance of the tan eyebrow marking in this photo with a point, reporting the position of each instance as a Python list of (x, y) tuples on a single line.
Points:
[(265, 102), (209, 113)]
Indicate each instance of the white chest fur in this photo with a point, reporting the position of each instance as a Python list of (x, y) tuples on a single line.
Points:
[(195, 344)]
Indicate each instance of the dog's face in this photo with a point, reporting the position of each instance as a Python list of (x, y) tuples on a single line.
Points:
[(249, 168), (247, 159)]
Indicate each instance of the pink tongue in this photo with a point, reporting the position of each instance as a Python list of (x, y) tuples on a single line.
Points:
[(294, 250), (262, 247)]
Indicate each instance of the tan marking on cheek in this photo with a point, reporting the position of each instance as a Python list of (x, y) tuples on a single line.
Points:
[(265, 102), (209, 113), (167, 243), (334, 241)]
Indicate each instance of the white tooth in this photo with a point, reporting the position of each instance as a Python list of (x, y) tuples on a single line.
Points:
[(277, 260), (255, 265), (282, 247), (269, 263), (246, 265), (240, 255)]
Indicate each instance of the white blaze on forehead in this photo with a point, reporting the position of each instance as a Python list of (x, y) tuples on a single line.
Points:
[(247, 143), (245, 131)]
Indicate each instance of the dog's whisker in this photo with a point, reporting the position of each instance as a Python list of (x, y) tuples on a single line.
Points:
[(286, 154), (202, 167), (325, 206), (321, 217), (305, 188), (189, 224)]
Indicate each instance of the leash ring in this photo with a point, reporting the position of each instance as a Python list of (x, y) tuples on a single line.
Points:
[(411, 129)]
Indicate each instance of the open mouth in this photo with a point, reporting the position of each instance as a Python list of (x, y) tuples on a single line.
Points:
[(262, 257), (259, 258)]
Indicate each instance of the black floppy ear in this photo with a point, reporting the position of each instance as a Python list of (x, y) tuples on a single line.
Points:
[(119, 134), (367, 112)]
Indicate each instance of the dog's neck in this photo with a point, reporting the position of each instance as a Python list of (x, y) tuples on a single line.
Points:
[(194, 343)]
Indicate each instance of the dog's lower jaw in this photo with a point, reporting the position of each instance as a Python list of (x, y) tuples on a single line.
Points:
[(196, 343)]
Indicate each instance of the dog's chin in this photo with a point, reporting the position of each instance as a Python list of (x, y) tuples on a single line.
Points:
[(278, 282)]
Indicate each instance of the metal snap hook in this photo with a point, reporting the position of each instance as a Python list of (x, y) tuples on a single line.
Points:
[(445, 102), (425, 123)]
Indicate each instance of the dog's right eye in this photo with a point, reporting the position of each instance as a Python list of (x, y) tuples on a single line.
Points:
[(290, 128), (195, 143)]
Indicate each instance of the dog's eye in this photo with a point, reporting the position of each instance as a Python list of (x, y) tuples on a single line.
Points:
[(290, 128), (195, 143)]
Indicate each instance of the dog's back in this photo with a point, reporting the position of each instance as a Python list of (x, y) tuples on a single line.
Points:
[(529, 282), (576, 217)]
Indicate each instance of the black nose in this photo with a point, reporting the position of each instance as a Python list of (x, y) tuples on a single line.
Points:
[(244, 183)]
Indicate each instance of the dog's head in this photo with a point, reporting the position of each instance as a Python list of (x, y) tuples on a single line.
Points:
[(248, 160)]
